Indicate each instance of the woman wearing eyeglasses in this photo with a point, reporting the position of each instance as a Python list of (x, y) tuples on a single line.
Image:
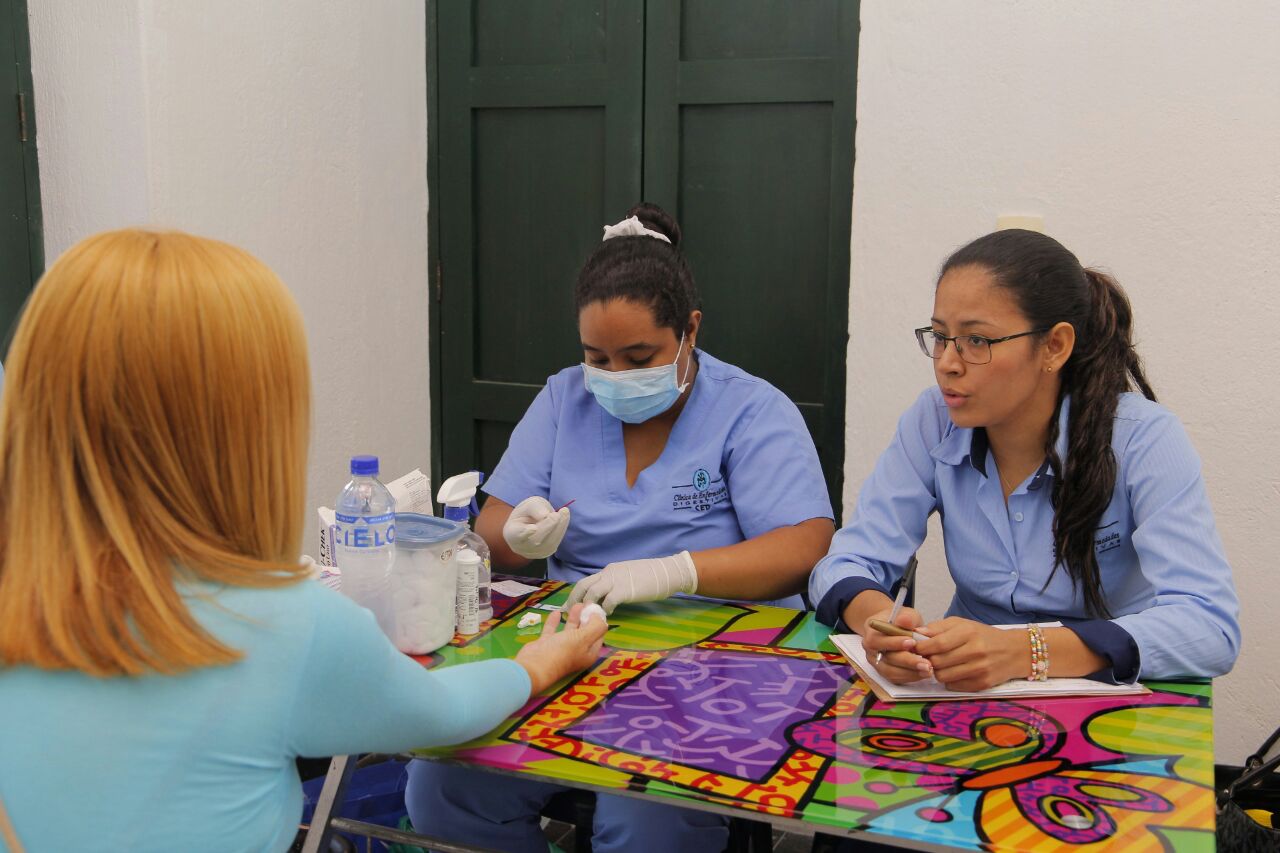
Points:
[(1064, 495)]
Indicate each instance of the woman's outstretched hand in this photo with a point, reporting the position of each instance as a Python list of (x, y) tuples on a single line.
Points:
[(637, 580), (556, 654)]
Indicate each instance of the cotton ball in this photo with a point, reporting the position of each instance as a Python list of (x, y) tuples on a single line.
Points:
[(592, 611)]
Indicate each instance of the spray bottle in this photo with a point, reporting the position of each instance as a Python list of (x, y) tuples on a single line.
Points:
[(458, 497)]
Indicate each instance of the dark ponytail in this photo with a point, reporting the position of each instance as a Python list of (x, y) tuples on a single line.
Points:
[(642, 269), (1050, 286)]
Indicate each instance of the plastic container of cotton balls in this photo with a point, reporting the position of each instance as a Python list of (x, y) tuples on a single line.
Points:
[(423, 582)]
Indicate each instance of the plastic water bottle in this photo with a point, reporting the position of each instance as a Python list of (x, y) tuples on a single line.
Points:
[(365, 537)]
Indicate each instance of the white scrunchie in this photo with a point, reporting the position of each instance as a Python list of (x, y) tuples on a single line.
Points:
[(631, 227)]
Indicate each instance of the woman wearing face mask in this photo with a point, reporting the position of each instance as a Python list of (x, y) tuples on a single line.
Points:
[(687, 475), (1064, 496)]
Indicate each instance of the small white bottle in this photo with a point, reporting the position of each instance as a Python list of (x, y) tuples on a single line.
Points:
[(468, 604)]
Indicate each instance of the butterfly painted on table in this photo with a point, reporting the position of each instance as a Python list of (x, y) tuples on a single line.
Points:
[(1017, 773)]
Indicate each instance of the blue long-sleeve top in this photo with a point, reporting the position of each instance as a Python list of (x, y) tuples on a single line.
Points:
[(1164, 574), (205, 760)]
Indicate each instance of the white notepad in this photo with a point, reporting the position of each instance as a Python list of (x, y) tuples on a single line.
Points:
[(929, 689)]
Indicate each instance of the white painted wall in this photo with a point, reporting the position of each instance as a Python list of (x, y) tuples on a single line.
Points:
[(294, 129), (91, 115), (1147, 134)]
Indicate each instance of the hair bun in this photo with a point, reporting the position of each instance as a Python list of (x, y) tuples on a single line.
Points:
[(657, 219)]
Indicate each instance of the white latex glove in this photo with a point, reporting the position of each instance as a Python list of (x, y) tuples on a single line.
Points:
[(534, 529), (637, 580)]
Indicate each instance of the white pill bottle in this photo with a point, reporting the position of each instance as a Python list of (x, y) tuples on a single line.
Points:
[(468, 599), (424, 582)]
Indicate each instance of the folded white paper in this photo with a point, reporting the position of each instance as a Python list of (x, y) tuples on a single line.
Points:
[(514, 589)]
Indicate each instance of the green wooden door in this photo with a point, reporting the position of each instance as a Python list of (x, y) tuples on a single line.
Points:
[(539, 132), (552, 117), (749, 140), (21, 231)]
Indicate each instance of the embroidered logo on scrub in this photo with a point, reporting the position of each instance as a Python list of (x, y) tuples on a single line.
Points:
[(701, 493), (1108, 538)]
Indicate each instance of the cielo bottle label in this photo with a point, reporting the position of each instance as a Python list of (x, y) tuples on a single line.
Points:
[(365, 531)]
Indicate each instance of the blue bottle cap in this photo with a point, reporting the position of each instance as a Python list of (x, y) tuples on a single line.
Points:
[(364, 466)]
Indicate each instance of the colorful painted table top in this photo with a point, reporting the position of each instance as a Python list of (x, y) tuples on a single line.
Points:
[(750, 707)]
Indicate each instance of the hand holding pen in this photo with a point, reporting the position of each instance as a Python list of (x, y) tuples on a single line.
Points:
[(892, 633), (904, 584)]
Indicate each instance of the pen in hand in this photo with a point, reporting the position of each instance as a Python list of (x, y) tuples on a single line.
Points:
[(903, 585), (895, 630)]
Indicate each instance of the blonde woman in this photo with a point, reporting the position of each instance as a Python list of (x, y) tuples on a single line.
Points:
[(163, 658)]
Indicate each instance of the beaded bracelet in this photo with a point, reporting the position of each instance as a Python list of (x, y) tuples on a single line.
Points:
[(1039, 654)]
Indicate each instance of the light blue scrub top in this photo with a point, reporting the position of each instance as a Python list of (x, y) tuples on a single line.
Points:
[(1164, 574), (739, 463), (204, 761)]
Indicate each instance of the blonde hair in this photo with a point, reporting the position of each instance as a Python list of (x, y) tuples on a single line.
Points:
[(153, 433)]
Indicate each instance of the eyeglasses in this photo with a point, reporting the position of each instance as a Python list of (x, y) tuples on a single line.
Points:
[(974, 349)]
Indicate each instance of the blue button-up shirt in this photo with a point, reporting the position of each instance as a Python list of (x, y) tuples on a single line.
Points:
[(1164, 574)]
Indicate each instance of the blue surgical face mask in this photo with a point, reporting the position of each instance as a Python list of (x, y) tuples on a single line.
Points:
[(634, 396)]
